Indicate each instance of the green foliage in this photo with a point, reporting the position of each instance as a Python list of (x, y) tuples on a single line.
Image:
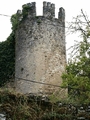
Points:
[(77, 76), (25, 10), (18, 17), (38, 21), (7, 48), (56, 116), (7, 59), (17, 106), (14, 21)]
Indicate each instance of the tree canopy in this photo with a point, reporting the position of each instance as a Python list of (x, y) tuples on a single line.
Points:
[(77, 76)]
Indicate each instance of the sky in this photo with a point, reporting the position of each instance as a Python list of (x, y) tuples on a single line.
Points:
[(72, 9)]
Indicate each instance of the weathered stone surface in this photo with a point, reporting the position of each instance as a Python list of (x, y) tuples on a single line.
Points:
[(40, 54)]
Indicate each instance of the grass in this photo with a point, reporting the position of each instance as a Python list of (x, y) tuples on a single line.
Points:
[(17, 106)]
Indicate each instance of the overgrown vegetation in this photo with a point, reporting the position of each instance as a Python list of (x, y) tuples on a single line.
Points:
[(77, 76), (26, 9), (7, 49), (7, 59), (17, 106), (77, 79)]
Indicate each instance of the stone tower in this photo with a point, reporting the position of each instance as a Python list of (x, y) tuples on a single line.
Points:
[(40, 50)]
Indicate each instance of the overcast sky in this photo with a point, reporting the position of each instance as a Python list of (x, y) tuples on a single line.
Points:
[(72, 9)]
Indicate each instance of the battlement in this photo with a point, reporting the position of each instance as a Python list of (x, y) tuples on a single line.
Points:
[(29, 10), (61, 14), (48, 9), (40, 50)]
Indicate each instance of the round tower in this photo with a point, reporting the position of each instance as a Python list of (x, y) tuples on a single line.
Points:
[(40, 51)]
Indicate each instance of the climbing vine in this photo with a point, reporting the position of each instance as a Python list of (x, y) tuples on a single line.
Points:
[(7, 48), (7, 59)]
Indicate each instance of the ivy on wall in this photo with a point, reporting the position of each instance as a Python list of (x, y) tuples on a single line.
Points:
[(7, 59), (7, 48)]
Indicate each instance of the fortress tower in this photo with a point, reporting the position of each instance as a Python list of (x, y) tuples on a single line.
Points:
[(40, 50)]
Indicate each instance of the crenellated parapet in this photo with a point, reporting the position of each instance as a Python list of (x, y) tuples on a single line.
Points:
[(29, 10), (48, 9), (61, 14), (40, 52)]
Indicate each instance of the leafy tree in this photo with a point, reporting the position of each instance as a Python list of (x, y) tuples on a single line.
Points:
[(77, 76)]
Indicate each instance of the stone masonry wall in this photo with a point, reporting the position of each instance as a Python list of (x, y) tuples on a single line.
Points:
[(40, 51)]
